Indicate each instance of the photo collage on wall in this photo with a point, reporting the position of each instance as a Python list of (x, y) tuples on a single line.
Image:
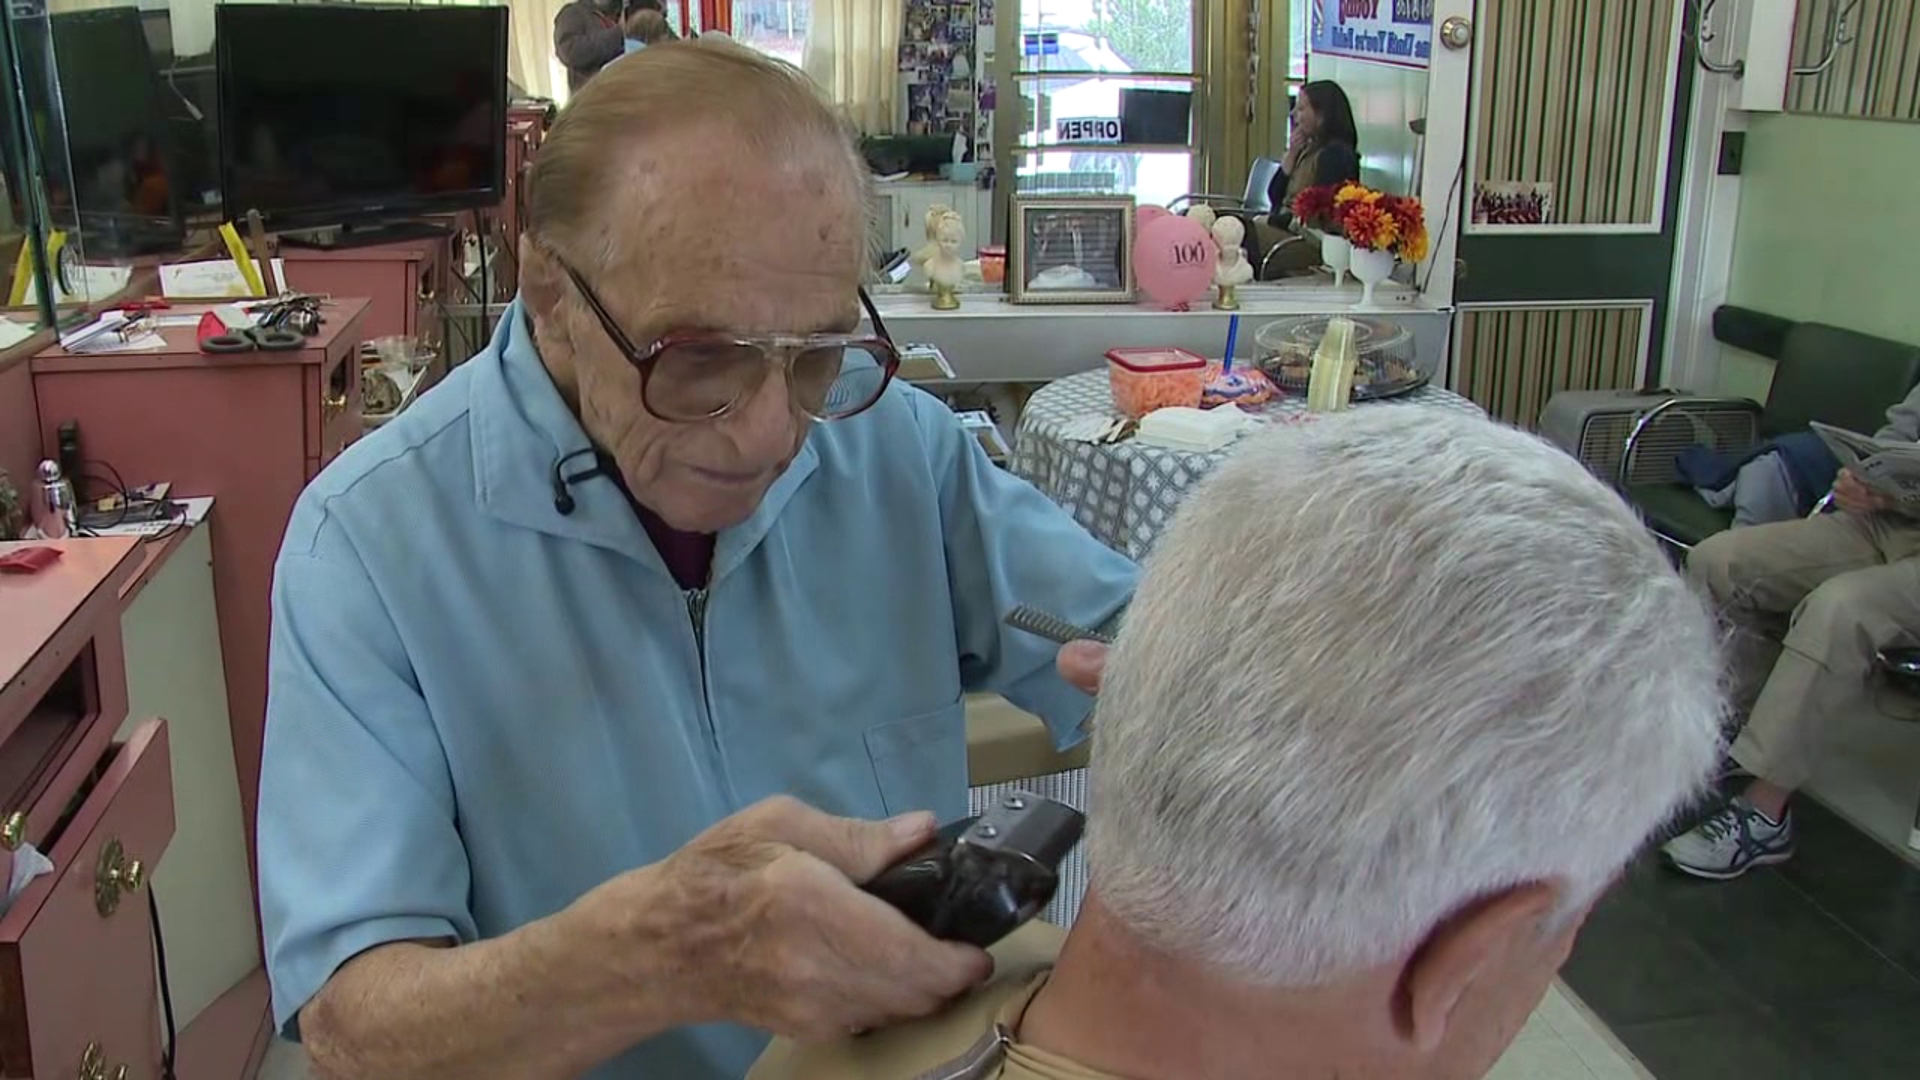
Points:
[(946, 61)]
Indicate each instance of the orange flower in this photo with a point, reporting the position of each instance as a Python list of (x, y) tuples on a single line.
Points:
[(1407, 212), (1351, 192), (1369, 228), (1413, 245)]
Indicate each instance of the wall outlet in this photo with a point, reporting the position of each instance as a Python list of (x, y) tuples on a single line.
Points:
[(1733, 152)]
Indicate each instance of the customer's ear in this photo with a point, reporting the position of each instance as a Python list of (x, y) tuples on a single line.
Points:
[(1477, 942), (543, 283)]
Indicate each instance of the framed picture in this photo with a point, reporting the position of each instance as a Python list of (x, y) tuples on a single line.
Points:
[(1071, 250), (1512, 203)]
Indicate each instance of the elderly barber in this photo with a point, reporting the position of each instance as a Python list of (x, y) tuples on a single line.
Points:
[(547, 648)]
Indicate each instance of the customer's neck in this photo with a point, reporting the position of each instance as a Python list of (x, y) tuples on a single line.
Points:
[(1117, 1006)]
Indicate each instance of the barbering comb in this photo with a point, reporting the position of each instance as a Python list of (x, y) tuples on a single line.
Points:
[(1052, 627)]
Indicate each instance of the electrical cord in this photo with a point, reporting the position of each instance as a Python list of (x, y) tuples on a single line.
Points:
[(166, 987), (1446, 221), (176, 520)]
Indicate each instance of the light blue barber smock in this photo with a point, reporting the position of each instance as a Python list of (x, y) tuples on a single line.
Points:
[(482, 708)]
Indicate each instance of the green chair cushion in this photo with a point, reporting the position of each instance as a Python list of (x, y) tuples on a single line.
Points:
[(1839, 377), (1674, 511)]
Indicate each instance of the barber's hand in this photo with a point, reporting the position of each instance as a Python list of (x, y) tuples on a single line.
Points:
[(1081, 663), (762, 924), (1851, 494)]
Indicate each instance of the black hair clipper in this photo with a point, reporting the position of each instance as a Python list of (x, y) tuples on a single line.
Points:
[(982, 878)]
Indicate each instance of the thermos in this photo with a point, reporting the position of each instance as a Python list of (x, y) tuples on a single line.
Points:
[(55, 513)]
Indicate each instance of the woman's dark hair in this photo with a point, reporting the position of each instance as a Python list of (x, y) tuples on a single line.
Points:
[(1336, 112)]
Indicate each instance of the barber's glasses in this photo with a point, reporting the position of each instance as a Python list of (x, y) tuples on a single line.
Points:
[(697, 375)]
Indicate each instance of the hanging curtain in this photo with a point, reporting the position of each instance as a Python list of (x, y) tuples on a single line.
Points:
[(853, 49), (530, 60)]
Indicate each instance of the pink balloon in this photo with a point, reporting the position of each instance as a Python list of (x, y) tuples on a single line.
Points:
[(1174, 258)]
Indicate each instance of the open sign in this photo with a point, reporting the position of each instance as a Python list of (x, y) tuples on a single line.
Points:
[(1089, 130)]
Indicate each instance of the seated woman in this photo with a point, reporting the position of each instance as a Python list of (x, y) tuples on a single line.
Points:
[(1324, 149)]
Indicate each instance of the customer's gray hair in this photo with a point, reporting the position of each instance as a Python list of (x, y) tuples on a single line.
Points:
[(1382, 666)]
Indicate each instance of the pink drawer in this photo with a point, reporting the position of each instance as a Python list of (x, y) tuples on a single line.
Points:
[(76, 950)]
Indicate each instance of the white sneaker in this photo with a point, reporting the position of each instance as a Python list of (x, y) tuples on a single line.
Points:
[(1731, 842)]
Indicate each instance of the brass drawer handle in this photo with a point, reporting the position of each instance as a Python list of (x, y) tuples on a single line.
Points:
[(93, 1065), (13, 831), (115, 876)]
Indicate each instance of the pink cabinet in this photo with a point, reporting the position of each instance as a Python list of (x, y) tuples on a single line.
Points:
[(402, 281), (249, 429), (78, 943), (77, 981)]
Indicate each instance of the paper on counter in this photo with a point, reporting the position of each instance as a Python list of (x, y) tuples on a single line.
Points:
[(92, 283), (195, 512), (106, 335), (13, 333), (213, 277), (1195, 430)]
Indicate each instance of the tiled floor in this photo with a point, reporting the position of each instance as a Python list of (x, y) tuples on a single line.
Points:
[(1870, 774), (1807, 971), (1560, 1042)]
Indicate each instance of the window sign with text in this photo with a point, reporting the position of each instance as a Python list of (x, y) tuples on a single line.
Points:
[(1095, 129), (1398, 32)]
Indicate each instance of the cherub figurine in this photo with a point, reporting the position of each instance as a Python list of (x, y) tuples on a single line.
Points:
[(1233, 270), (940, 258)]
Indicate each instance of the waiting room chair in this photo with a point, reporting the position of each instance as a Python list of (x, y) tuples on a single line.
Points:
[(1900, 670), (1257, 201), (1822, 373)]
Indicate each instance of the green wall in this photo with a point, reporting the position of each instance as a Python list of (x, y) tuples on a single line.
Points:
[(1829, 231)]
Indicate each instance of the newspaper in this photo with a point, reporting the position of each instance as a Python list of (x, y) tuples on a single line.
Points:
[(1889, 467)]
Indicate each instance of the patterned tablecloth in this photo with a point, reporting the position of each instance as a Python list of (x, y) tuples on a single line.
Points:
[(1126, 493)]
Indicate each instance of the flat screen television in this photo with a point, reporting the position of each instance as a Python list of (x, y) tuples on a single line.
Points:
[(118, 185), (334, 114)]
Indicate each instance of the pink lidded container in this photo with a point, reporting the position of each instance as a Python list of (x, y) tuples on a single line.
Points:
[(1147, 379)]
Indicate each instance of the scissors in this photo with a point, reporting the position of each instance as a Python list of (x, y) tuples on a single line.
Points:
[(269, 339)]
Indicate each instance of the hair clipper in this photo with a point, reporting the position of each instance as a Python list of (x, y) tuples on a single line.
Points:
[(982, 878)]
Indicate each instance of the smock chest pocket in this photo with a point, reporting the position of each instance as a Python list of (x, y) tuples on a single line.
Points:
[(920, 762)]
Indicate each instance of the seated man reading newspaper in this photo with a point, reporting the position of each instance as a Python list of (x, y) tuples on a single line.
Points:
[(1811, 602), (1399, 695)]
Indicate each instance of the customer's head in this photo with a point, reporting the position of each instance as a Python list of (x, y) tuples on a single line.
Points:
[(1324, 113), (648, 26), (1401, 693), (694, 188)]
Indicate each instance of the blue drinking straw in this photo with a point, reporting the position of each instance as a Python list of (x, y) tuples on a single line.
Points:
[(1233, 338)]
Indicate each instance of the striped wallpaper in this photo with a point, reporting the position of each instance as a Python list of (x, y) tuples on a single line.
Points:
[(1877, 76), (1511, 360), (1573, 93)]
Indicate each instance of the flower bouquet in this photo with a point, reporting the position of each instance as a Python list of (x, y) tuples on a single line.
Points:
[(1383, 229), (1313, 209)]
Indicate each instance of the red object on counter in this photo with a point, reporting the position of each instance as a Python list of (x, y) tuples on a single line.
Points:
[(1147, 379), (993, 264), (28, 560)]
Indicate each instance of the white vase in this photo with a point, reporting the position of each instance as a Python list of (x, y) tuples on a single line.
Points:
[(1371, 268), (1338, 255)]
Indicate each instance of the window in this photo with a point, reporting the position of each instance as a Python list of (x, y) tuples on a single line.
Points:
[(1298, 36), (775, 27), (1131, 60)]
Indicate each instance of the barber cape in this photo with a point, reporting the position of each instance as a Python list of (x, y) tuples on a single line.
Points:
[(959, 1044)]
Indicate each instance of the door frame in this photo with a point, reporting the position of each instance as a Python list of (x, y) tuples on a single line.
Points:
[(1587, 266)]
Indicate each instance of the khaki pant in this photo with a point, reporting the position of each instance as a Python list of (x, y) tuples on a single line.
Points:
[(1810, 603)]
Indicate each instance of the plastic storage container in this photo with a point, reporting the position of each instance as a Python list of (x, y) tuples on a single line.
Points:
[(1147, 379), (993, 264)]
